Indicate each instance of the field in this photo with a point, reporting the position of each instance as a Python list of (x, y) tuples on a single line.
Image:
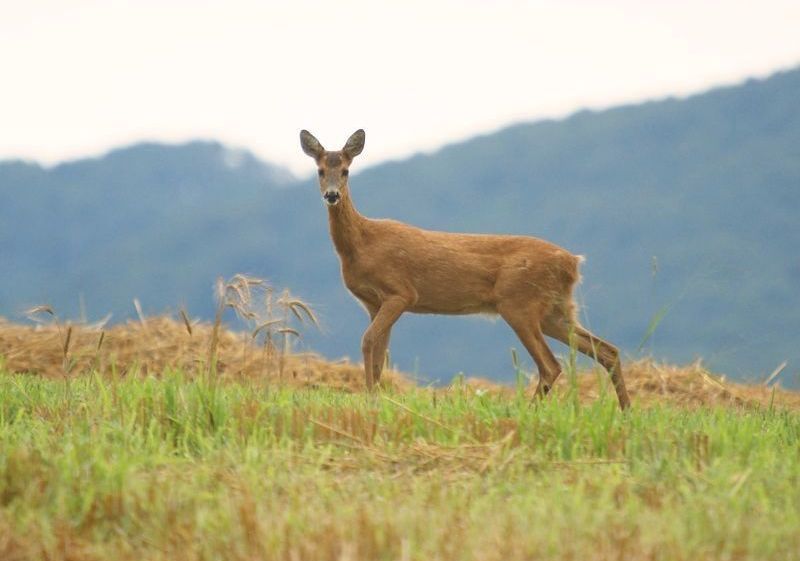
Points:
[(170, 439)]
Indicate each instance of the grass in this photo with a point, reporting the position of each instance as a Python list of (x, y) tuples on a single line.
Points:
[(173, 467)]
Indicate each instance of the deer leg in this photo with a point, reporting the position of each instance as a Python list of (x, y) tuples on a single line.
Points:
[(379, 355), (530, 334), (576, 336), (376, 338), (381, 346)]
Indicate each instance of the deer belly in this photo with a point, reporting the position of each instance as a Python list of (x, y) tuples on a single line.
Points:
[(455, 297), (430, 288)]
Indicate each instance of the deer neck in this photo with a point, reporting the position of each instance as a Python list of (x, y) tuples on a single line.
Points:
[(346, 225)]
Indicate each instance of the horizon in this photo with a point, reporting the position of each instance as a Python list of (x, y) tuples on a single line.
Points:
[(300, 176), (417, 77)]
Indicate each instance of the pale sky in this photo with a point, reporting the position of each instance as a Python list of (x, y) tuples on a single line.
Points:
[(78, 77)]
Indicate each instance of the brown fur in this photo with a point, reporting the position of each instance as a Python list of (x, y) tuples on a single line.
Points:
[(394, 268)]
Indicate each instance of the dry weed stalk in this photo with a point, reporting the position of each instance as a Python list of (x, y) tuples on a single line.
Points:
[(36, 314), (270, 318)]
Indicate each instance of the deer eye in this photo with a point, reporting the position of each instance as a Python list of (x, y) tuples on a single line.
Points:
[(321, 172), (345, 172)]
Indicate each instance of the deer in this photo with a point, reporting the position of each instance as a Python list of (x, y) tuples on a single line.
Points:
[(392, 268)]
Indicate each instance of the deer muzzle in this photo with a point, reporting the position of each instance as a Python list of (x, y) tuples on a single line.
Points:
[(332, 197)]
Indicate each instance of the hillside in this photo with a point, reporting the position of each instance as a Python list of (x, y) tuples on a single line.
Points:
[(688, 207), (149, 221)]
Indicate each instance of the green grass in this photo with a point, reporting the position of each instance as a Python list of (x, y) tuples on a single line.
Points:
[(177, 469)]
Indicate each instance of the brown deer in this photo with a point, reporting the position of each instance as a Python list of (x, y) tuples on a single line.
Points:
[(391, 268)]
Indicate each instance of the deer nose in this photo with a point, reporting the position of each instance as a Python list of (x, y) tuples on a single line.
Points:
[(332, 197)]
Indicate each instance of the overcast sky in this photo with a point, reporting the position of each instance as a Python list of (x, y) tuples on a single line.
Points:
[(78, 77)]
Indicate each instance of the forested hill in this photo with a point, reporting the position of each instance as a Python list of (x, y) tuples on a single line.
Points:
[(687, 210)]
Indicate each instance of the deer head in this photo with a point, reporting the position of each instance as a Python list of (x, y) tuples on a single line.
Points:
[(332, 167)]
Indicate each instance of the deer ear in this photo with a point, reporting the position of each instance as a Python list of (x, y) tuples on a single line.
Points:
[(354, 144), (311, 145)]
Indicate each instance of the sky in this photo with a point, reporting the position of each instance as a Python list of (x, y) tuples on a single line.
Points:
[(79, 77)]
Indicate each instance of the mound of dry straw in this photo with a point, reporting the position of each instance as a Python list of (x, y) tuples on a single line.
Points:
[(650, 382), (153, 345), (156, 344)]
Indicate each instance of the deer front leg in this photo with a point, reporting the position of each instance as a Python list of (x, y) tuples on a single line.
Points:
[(376, 338), (381, 347), (379, 355)]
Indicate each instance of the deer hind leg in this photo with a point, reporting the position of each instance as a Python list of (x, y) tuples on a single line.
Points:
[(526, 325), (570, 332), (376, 338)]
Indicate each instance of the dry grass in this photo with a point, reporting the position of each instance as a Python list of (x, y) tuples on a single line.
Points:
[(153, 345), (157, 344), (650, 382)]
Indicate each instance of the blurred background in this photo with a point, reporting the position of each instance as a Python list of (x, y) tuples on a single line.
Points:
[(147, 148)]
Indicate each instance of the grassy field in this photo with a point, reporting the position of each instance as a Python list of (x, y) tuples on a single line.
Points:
[(172, 467)]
